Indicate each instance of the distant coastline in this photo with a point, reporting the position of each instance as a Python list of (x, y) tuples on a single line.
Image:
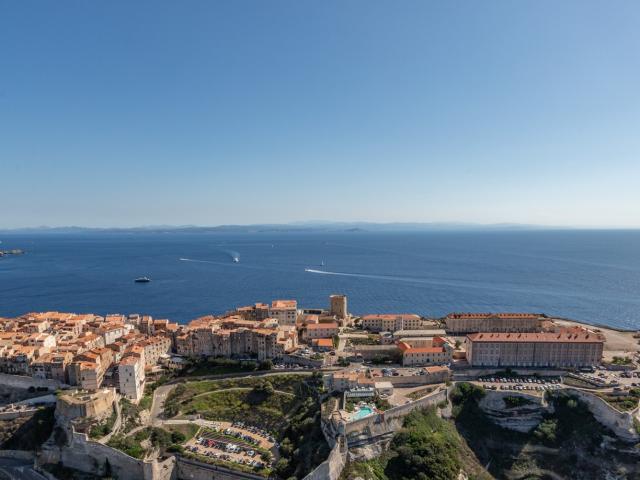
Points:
[(305, 227)]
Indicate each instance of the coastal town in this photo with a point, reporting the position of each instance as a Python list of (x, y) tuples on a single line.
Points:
[(123, 382)]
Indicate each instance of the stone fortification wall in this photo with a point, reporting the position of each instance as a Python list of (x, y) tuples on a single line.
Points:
[(369, 352), (20, 381), (12, 415), (416, 380), (92, 405), (91, 457), (526, 417), (621, 423), (390, 420), (288, 359), (332, 467), (187, 469)]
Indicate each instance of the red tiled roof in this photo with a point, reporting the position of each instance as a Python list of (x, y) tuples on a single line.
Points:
[(494, 315), (318, 326), (561, 337)]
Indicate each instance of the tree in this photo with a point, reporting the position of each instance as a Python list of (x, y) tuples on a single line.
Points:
[(178, 437), (160, 438), (281, 467), (265, 365), (546, 431), (426, 449)]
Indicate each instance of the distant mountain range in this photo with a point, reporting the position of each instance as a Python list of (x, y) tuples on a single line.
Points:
[(296, 227)]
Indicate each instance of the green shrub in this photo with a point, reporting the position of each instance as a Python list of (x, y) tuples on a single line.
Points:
[(426, 449), (546, 431), (466, 391), (514, 401)]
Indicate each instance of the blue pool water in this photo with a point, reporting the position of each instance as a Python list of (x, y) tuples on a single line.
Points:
[(363, 412), (593, 276)]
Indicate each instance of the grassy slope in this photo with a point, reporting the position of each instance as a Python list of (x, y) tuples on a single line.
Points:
[(244, 405)]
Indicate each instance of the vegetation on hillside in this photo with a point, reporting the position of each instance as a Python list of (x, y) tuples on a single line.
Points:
[(27, 433), (222, 365), (622, 361), (103, 427), (621, 401), (568, 443), (143, 441), (286, 404), (515, 401), (260, 407), (427, 448)]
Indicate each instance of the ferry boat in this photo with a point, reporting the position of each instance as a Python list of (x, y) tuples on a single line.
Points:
[(142, 280)]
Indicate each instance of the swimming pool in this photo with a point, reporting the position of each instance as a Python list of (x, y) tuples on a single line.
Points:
[(363, 412)]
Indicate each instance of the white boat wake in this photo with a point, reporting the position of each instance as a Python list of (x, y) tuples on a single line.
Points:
[(362, 275), (199, 261)]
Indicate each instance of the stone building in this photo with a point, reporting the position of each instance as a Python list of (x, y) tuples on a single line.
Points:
[(462, 323), (338, 306), (563, 349), (391, 322)]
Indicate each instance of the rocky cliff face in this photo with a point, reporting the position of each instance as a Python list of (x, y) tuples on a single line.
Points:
[(515, 411)]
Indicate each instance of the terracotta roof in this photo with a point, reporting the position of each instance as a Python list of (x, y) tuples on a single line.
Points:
[(562, 337), (391, 316), (284, 304), (318, 326), (425, 350), (324, 342), (469, 316)]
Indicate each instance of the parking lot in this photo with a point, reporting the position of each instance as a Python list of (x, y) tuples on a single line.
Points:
[(532, 384), (236, 443), (628, 379)]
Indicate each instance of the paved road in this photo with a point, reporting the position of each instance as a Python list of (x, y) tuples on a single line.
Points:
[(12, 469), (157, 407)]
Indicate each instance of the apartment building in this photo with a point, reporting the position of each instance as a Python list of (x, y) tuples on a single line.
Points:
[(425, 351), (87, 375), (235, 336), (559, 349), (52, 366), (110, 332), (154, 348), (346, 380), (17, 359), (321, 330), (88, 368), (463, 323), (131, 376), (44, 341), (256, 312), (285, 311), (391, 322)]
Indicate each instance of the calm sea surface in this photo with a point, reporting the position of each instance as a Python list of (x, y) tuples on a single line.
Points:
[(592, 276)]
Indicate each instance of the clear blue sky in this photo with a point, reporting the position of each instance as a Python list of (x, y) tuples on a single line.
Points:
[(120, 113)]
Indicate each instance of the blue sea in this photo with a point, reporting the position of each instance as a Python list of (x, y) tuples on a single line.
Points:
[(591, 276)]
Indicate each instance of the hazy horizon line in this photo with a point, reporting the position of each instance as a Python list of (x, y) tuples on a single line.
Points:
[(319, 224)]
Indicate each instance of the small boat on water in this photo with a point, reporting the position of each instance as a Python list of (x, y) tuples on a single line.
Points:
[(142, 280), (236, 260)]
